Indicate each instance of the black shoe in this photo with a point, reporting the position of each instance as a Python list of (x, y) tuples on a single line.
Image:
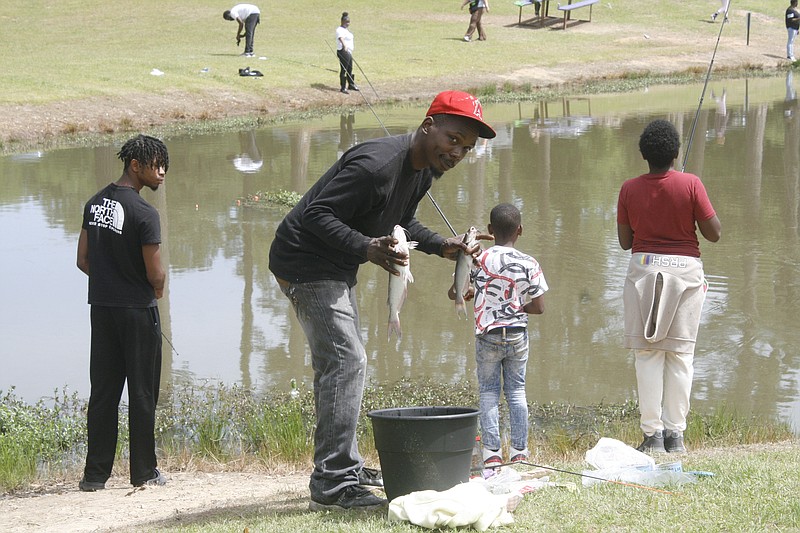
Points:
[(673, 441), (158, 480), (354, 88), (91, 486), (653, 443), (343, 90), (353, 497), (370, 477)]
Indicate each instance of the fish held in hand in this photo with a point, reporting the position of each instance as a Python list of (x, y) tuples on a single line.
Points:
[(398, 285), (463, 268)]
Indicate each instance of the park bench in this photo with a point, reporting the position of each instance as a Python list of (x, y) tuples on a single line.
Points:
[(523, 3), (567, 9)]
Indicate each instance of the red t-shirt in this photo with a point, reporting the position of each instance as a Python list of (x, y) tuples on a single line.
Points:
[(662, 210)]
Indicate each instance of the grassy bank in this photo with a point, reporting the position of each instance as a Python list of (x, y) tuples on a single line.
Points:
[(225, 427), (754, 461), (90, 74)]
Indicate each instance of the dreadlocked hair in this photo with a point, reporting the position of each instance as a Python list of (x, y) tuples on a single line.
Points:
[(146, 150), (659, 143)]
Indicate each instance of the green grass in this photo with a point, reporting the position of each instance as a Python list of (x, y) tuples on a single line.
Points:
[(90, 51)]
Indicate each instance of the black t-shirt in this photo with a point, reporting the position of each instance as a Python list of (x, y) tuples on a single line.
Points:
[(369, 190), (118, 223), (792, 18)]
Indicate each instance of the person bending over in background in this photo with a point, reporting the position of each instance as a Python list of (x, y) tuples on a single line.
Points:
[(248, 16)]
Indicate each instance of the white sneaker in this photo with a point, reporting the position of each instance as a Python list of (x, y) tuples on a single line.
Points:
[(466, 38)]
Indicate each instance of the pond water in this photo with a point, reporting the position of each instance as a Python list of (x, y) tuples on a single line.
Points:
[(561, 162)]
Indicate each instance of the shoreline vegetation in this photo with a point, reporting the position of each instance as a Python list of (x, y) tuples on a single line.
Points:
[(217, 426)]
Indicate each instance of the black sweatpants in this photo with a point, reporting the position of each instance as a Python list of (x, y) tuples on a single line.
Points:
[(345, 68), (126, 345)]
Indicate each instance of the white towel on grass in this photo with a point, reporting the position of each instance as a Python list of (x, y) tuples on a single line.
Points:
[(466, 504)]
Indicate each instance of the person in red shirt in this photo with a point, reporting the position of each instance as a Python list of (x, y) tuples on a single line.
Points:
[(658, 214)]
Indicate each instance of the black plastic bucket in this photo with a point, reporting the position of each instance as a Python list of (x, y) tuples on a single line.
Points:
[(424, 448)]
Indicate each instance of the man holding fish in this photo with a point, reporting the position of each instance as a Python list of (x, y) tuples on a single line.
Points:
[(344, 220)]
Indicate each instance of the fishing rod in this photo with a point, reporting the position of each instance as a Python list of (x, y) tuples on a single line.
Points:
[(386, 131), (705, 86), (614, 481)]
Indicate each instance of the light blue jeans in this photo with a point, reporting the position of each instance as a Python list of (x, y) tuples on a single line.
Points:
[(509, 358), (792, 33), (328, 313)]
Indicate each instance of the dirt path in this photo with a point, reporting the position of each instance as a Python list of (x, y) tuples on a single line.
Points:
[(187, 497)]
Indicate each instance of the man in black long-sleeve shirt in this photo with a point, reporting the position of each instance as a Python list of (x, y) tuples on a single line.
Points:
[(343, 221)]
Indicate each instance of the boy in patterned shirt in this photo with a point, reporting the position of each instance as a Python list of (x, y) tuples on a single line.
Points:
[(508, 285)]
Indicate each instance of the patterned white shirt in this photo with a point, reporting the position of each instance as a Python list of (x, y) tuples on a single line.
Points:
[(505, 280)]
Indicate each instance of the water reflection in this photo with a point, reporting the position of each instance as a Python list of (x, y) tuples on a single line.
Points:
[(561, 162)]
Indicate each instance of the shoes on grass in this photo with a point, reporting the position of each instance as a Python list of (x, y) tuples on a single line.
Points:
[(653, 443), (673, 441), (518, 455), (492, 458), (354, 497)]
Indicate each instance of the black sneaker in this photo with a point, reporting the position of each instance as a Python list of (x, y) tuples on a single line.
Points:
[(653, 443), (370, 477), (344, 91), (673, 441), (91, 486), (158, 480), (354, 88), (353, 497)]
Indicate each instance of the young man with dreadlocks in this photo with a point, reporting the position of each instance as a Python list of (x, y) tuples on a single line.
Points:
[(119, 249)]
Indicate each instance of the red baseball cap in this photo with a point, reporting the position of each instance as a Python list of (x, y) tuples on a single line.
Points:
[(464, 105)]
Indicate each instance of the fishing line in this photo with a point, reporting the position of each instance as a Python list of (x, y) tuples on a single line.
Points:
[(616, 482), (705, 86), (170, 344), (366, 78), (305, 64), (386, 131)]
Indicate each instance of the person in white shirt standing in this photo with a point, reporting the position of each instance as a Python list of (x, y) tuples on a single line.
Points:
[(248, 16), (344, 51)]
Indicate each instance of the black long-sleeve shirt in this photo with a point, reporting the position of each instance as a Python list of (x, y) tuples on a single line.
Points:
[(369, 190)]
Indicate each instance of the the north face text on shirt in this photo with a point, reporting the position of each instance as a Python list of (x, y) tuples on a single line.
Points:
[(108, 215)]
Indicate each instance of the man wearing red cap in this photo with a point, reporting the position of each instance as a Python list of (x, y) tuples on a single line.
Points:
[(343, 221)]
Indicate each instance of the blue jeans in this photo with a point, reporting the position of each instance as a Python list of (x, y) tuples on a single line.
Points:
[(328, 313), (509, 357), (791, 35)]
